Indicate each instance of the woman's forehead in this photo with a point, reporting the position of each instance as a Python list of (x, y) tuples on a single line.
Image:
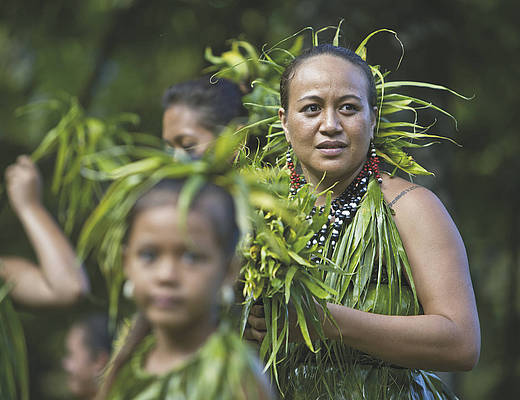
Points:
[(327, 72)]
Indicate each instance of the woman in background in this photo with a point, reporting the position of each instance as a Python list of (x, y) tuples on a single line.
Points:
[(196, 111), (56, 281)]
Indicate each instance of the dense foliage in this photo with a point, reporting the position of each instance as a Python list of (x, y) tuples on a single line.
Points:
[(119, 55)]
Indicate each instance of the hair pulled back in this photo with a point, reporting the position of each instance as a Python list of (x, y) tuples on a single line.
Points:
[(217, 103), (215, 202), (326, 49)]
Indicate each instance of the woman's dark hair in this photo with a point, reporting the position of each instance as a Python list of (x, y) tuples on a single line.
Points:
[(218, 206), (217, 103), (328, 49)]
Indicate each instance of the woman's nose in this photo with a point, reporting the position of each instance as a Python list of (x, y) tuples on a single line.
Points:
[(330, 124)]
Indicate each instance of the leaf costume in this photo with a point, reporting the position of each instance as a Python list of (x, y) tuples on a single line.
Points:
[(223, 368), (371, 254), (14, 381)]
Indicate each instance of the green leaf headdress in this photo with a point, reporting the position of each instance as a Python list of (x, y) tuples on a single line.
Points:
[(393, 135), (105, 229), (80, 144)]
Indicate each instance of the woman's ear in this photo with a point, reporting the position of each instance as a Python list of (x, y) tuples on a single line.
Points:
[(283, 120), (373, 121)]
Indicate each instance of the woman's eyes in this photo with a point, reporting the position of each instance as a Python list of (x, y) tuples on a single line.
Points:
[(348, 107), (311, 108)]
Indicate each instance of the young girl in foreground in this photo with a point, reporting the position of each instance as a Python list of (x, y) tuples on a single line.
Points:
[(176, 347)]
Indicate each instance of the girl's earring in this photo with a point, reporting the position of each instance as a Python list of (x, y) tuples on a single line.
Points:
[(227, 296), (128, 289)]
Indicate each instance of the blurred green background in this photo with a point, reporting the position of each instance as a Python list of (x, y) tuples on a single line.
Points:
[(119, 55)]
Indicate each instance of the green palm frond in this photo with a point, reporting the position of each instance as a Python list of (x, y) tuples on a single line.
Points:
[(277, 271), (369, 250), (72, 142), (104, 230), (14, 380)]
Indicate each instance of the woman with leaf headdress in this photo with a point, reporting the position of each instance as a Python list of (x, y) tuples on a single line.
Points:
[(57, 281), (396, 299)]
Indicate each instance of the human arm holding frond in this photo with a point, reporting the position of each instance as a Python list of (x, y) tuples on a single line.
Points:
[(447, 336), (59, 279)]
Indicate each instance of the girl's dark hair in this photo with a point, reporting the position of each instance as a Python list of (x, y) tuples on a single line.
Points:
[(214, 201), (217, 103), (218, 206), (328, 49)]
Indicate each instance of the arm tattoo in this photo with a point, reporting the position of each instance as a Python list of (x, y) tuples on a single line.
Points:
[(408, 189)]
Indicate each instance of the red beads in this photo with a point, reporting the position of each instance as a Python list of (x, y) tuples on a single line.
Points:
[(371, 167), (296, 180)]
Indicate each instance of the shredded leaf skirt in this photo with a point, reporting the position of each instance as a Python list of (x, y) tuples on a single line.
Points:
[(340, 372), (364, 382)]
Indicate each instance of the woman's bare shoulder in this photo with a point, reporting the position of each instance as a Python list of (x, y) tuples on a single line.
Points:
[(413, 203), (415, 207), (396, 189)]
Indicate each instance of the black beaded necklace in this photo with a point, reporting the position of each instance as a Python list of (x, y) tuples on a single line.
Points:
[(344, 207)]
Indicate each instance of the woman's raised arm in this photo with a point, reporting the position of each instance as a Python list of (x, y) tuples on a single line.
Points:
[(59, 279)]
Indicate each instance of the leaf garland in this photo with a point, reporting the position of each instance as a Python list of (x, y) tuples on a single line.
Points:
[(277, 272)]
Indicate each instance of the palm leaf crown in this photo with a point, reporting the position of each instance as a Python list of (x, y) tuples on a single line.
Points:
[(263, 69), (103, 233)]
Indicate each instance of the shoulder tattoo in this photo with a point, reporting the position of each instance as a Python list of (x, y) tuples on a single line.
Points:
[(403, 193)]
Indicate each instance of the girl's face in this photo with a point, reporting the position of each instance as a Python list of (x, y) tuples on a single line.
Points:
[(329, 121), (177, 273), (182, 130)]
